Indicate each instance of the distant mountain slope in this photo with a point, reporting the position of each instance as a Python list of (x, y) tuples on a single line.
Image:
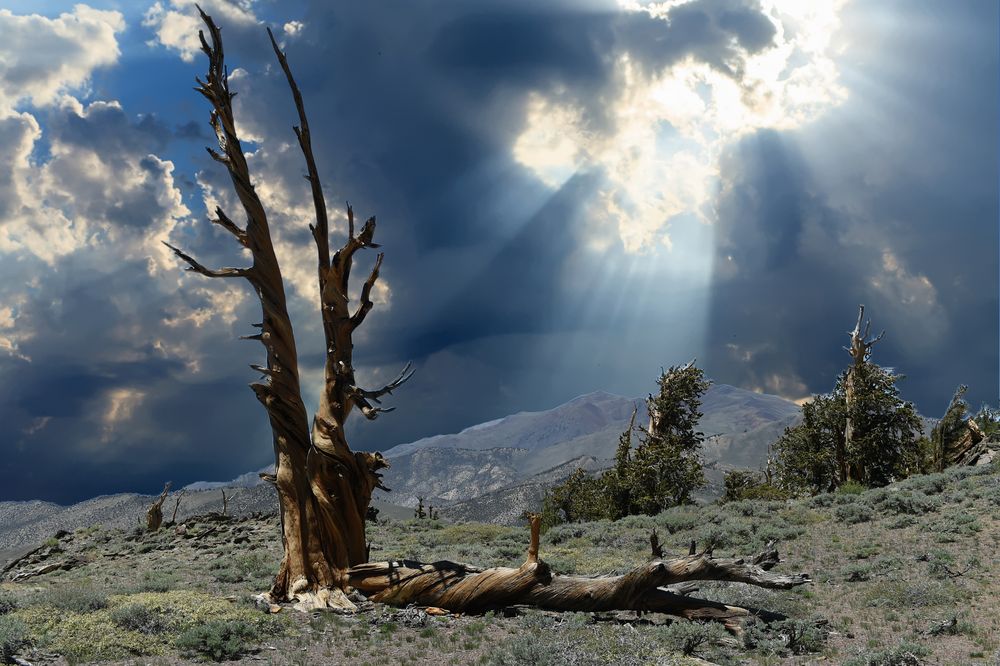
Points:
[(489, 472), (579, 417), (509, 452)]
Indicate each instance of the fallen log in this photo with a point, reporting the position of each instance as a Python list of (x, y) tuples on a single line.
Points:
[(465, 588)]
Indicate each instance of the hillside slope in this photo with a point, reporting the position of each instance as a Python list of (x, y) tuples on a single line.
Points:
[(904, 575), (738, 424)]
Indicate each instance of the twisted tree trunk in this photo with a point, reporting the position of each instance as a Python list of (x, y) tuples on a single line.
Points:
[(323, 487)]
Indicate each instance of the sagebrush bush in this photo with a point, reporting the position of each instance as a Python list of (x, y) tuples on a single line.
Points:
[(898, 502), (157, 581), (851, 488), (689, 637), (855, 573), (853, 514), (929, 484), (78, 598), (137, 617), (518, 653), (680, 518), (8, 602), (219, 640), (13, 637), (904, 654), (787, 636)]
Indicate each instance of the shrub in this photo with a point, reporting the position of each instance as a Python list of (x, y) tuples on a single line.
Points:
[(8, 602), (727, 533), (536, 652), (866, 571), (929, 484), (853, 514), (797, 636), (157, 581), (218, 640), (13, 638), (743, 484), (86, 637), (681, 518), (904, 654), (822, 500), (689, 637), (83, 598), (563, 533), (137, 617), (850, 488), (914, 503), (901, 522)]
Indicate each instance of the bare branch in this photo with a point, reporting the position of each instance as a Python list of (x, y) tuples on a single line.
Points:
[(193, 265), (366, 291), (374, 396), (369, 411), (344, 257), (321, 230), (223, 221)]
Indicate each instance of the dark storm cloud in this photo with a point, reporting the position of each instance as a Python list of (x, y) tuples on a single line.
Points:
[(103, 334), (915, 174), (413, 115), (788, 276), (111, 375)]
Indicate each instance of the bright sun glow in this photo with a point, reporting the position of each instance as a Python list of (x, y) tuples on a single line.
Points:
[(660, 156)]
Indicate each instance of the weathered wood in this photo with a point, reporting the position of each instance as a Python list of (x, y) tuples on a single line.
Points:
[(968, 448), (154, 515), (466, 588), (324, 488)]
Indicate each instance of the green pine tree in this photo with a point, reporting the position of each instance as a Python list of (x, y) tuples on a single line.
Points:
[(950, 428), (659, 471), (666, 465), (886, 443)]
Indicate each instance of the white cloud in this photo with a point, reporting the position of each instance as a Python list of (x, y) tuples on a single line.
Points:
[(666, 131), (41, 58), (177, 24), (85, 196)]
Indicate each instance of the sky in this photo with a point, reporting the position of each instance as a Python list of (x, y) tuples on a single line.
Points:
[(570, 196)]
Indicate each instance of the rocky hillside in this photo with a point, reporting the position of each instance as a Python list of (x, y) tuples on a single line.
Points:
[(521, 450)]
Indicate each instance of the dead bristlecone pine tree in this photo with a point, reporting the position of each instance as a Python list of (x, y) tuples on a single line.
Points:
[(324, 488), (154, 515)]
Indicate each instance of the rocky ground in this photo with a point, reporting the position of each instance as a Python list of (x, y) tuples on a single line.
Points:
[(903, 575)]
